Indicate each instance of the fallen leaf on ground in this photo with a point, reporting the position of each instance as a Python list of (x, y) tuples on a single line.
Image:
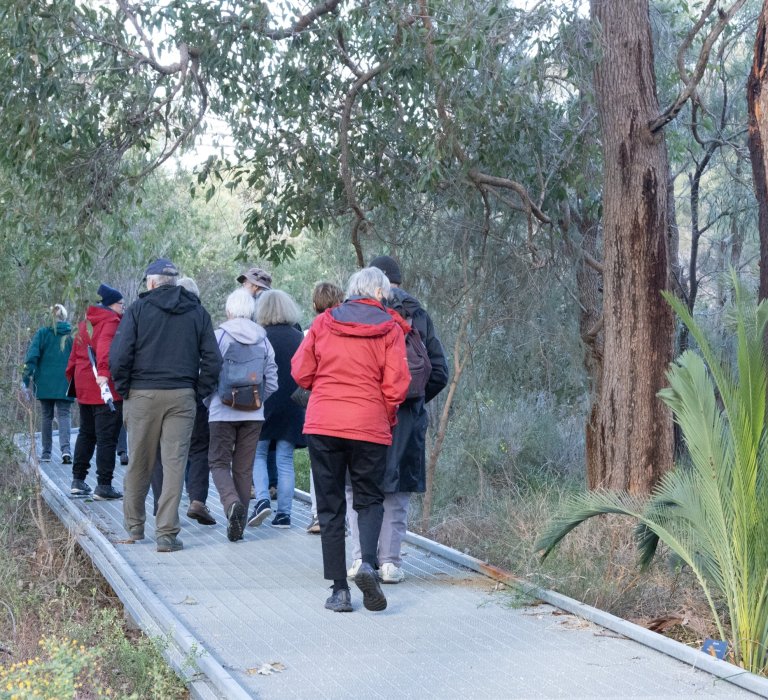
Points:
[(266, 669)]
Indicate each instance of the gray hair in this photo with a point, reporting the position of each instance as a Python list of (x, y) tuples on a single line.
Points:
[(275, 307), (365, 282), (189, 284), (160, 280), (59, 312), (239, 304)]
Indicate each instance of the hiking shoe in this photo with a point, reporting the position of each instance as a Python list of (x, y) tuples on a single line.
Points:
[(236, 521), (261, 511), (389, 573), (367, 581), (106, 493), (199, 511), (80, 488), (45, 457), (352, 571), (272, 493), (66, 458), (340, 601), (169, 543), (136, 532), (314, 527), (123, 458), (281, 520)]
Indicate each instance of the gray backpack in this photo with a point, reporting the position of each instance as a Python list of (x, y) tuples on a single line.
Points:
[(242, 375)]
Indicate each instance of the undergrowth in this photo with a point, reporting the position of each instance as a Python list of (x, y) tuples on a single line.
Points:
[(62, 632)]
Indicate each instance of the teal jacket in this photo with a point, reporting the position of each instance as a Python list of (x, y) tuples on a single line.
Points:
[(46, 361)]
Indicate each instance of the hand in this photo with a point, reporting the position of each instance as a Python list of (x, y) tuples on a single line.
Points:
[(101, 381)]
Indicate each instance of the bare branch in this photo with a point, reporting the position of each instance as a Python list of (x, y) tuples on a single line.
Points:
[(691, 82)]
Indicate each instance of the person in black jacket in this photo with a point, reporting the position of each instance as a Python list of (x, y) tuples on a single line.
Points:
[(163, 356), (406, 460), (283, 418)]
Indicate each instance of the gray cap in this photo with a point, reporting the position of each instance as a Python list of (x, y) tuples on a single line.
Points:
[(261, 278)]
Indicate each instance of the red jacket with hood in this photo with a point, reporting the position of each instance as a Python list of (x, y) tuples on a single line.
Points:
[(104, 322), (353, 360)]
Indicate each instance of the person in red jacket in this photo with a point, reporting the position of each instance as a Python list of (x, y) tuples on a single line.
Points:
[(353, 360), (100, 422)]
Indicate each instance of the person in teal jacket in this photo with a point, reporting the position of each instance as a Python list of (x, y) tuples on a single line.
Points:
[(44, 367)]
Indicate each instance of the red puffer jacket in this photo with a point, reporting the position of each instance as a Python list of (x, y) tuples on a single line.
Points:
[(104, 322), (353, 359)]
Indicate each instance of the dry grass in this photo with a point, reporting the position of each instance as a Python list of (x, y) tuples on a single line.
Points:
[(50, 589), (596, 563)]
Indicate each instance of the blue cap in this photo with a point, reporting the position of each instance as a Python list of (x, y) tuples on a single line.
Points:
[(162, 266), (108, 295)]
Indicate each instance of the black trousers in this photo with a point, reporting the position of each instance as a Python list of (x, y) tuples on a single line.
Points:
[(331, 458), (99, 429)]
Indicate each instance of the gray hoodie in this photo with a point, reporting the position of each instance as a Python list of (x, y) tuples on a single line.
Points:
[(244, 331)]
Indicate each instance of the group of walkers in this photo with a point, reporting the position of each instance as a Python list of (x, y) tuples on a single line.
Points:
[(197, 402)]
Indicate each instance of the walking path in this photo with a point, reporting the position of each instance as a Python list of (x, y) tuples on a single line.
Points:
[(247, 620)]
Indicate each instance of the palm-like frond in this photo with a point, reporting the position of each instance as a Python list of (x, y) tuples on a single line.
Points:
[(712, 510)]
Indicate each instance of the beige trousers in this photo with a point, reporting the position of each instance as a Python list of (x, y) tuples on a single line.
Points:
[(155, 417)]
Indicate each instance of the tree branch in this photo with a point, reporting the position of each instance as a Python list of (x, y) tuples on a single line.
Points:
[(691, 82)]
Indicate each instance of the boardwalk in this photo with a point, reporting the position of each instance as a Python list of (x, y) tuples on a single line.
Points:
[(251, 616)]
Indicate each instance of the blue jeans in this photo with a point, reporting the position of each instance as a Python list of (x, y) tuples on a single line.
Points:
[(63, 415), (285, 474)]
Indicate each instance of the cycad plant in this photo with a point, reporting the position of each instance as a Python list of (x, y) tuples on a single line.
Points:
[(712, 509)]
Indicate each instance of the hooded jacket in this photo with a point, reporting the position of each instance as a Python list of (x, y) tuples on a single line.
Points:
[(353, 360), (406, 461), (165, 341), (103, 323), (46, 361), (247, 332)]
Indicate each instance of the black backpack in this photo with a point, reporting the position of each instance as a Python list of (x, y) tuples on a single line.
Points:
[(242, 375), (419, 364)]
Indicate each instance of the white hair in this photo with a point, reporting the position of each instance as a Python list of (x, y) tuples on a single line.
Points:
[(240, 304), (59, 312), (274, 307), (365, 282), (189, 284), (160, 280)]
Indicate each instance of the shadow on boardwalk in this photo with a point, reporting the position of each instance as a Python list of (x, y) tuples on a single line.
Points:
[(247, 620)]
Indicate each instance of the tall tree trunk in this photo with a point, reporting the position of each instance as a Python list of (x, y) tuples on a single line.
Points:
[(757, 104), (632, 431)]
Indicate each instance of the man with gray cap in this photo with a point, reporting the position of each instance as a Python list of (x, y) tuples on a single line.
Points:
[(256, 281), (164, 355)]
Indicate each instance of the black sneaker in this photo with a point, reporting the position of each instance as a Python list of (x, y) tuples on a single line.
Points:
[(367, 581), (236, 521), (80, 488), (123, 458), (45, 457), (106, 493), (281, 520), (340, 601), (66, 458), (261, 511)]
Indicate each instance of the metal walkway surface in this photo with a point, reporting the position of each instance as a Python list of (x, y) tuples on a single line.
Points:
[(246, 619)]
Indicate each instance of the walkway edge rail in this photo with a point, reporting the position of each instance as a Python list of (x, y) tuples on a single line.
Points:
[(721, 669), (184, 651)]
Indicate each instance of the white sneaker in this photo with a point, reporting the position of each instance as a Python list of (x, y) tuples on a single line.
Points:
[(352, 571), (389, 573)]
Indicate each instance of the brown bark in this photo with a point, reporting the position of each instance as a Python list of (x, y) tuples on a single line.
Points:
[(757, 104), (631, 431)]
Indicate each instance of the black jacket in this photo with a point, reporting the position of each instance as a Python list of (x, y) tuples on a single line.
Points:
[(283, 417), (406, 468), (165, 341)]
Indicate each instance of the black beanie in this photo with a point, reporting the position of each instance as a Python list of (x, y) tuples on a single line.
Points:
[(389, 267), (108, 295)]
